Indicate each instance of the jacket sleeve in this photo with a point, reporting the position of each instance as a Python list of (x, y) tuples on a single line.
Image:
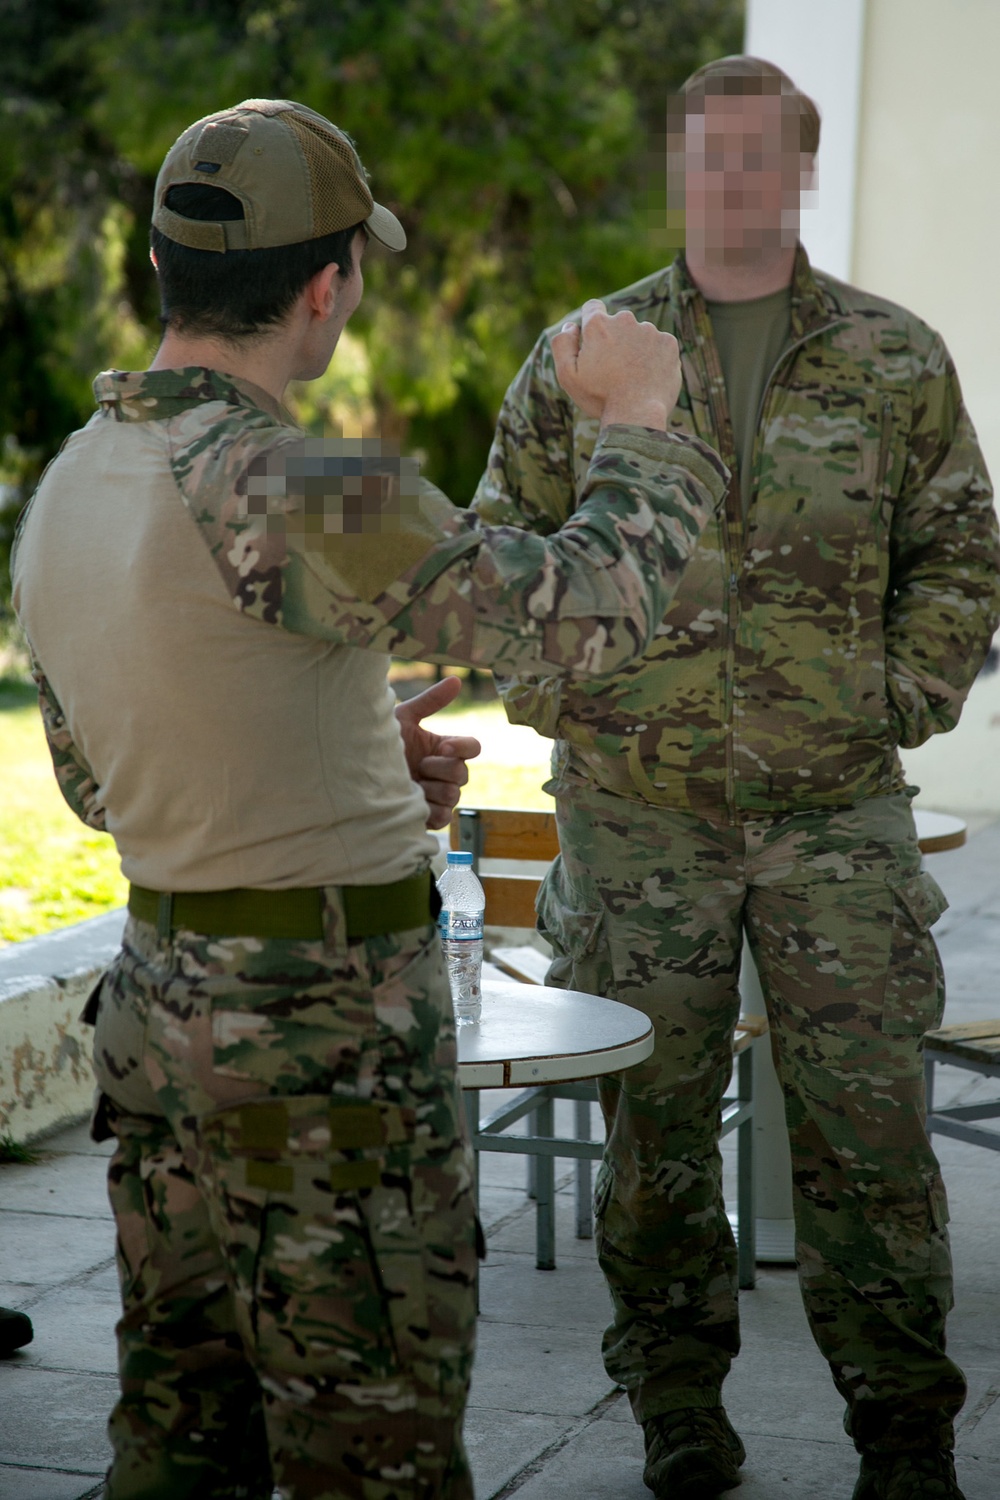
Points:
[(365, 553), (529, 478), (944, 597), (75, 778)]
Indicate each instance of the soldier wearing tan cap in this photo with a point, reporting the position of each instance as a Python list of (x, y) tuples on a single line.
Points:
[(210, 599)]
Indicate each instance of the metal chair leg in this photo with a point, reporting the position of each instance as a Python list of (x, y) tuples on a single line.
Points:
[(545, 1194), (531, 1127), (471, 1097), (746, 1222), (584, 1205)]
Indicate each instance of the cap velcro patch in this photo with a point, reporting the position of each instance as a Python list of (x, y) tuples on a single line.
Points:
[(218, 143)]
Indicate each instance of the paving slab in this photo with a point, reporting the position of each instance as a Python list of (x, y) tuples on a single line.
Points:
[(516, 1232), (53, 1419), (46, 1249), (76, 1139), (55, 1186), (979, 1429), (501, 1444), (75, 1330), (542, 1371), (573, 1296), (45, 1484)]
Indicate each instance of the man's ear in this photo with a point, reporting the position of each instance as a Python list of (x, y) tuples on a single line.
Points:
[(319, 291)]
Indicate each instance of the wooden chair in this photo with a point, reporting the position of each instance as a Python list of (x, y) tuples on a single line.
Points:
[(527, 837), (974, 1046)]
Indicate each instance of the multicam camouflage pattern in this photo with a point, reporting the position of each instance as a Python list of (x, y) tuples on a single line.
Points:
[(649, 906), (357, 549), (297, 1234), (849, 614), (75, 777)]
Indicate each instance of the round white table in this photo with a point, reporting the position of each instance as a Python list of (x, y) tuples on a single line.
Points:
[(532, 1034)]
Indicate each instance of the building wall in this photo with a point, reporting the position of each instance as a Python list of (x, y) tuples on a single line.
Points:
[(927, 206), (909, 163), (819, 43), (909, 207)]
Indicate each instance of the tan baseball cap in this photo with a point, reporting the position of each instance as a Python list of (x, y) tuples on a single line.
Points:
[(297, 176)]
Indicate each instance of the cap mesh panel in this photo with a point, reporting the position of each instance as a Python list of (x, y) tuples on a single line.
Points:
[(340, 198)]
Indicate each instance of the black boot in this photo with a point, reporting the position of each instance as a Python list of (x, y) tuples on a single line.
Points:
[(691, 1454), (15, 1331), (919, 1474)]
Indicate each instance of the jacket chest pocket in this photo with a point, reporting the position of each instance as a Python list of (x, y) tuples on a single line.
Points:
[(830, 466), (838, 448)]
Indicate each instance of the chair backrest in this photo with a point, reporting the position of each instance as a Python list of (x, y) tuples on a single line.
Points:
[(507, 834)]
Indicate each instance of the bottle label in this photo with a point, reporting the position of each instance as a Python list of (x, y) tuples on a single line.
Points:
[(461, 926)]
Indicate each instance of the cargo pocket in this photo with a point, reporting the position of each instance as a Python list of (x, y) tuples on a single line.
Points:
[(313, 1212), (603, 1184), (573, 924), (914, 986)]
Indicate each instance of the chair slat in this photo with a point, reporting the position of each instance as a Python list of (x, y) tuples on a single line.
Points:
[(510, 900), (967, 1031), (512, 833)]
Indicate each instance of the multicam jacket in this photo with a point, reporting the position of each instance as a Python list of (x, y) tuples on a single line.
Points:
[(193, 575), (847, 615)]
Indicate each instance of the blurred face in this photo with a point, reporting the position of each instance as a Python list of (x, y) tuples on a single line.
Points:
[(743, 176)]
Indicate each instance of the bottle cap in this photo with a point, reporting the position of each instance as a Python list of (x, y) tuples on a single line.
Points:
[(460, 856)]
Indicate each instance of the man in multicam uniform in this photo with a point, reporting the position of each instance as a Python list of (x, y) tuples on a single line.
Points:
[(274, 1044), (743, 776)]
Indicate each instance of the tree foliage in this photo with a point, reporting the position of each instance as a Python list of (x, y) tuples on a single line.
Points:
[(515, 139)]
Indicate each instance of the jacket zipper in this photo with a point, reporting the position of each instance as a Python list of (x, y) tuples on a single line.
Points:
[(734, 558), (785, 353), (883, 458), (732, 548)]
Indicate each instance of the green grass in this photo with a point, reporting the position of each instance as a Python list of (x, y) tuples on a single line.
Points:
[(12, 1153), (55, 871), (514, 761)]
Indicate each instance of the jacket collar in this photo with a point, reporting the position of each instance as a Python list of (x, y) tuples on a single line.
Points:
[(815, 304), (156, 395)]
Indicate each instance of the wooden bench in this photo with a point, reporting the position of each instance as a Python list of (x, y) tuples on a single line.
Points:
[(974, 1046), (525, 837)]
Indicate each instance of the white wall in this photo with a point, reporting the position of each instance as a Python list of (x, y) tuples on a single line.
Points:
[(819, 44), (909, 193), (909, 179), (927, 230)]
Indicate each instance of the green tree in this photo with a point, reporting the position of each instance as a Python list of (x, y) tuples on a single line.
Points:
[(518, 141)]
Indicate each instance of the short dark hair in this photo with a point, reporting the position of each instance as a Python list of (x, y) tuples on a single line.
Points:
[(240, 294), (753, 75)]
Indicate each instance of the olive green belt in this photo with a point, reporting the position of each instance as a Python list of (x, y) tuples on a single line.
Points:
[(369, 910)]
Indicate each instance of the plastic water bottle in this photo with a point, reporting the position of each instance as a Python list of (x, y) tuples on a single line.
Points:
[(463, 903)]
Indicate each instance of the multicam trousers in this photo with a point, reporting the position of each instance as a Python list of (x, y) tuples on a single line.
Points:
[(296, 1226), (649, 906)]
